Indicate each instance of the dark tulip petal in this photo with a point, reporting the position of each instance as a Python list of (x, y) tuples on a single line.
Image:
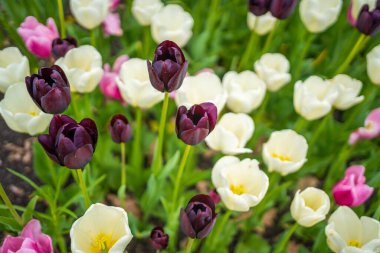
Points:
[(181, 111), (186, 226), (212, 113), (81, 137), (194, 136), (57, 122), (177, 79), (159, 239), (203, 123), (282, 9), (79, 158), (61, 46), (91, 128), (64, 147), (203, 198), (55, 101), (186, 124), (62, 73), (48, 145), (154, 78), (258, 7), (207, 229)]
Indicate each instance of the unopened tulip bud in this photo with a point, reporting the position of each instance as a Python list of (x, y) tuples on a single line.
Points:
[(282, 9), (258, 7), (120, 129), (60, 46), (369, 21), (159, 239)]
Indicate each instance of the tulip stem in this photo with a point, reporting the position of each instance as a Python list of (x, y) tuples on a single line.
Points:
[(220, 227), (269, 39), (61, 18), (189, 245), (319, 130), (253, 39), (8, 203), (284, 241), (123, 171), (300, 125), (137, 156), (181, 168), (83, 187), (93, 37)]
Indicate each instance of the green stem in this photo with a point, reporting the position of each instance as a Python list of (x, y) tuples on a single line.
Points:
[(263, 106), (189, 245), (83, 187), (300, 59), (93, 37), (123, 171), (61, 18), (319, 131), (179, 175), (253, 39), (137, 156), (300, 125), (8, 203), (220, 227), (284, 241), (269, 39)]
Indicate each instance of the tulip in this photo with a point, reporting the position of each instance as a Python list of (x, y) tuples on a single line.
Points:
[(261, 24), (83, 68), (215, 196), (159, 239), (352, 190), (31, 240), (259, 7), (89, 13), (135, 86), (355, 7), (348, 92), (370, 130), (111, 25), (198, 218), (37, 37), (240, 184), (373, 65), (368, 21), (169, 67), (101, 229), (162, 27), (49, 89), (113, 4), (274, 70), (60, 46), (231, 134), (68, 143), (120, 129), (14, 67), (310, 206), (108, 85), (345, 232), (25, 116), (282, 9), (144, 10)]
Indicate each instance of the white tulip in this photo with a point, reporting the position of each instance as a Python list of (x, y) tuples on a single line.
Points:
[(204, 87), (318, 15), (314, 97), (246, 91), (346, 233), (89, 13), (144, 10), (14, 67), (240, 184), (373, 65), (358, 4), (274, 70), (348, 91), (310, 206), (172, 23), (285, 152), (231, 134), (262, 24), (101, 228), (83, 68), (135, 86), (24, 116)]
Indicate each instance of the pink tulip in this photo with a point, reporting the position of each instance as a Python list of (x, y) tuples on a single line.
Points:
[(370, 130), (37, 37), (350, 15), (31, 240), (111, 25), (351, 190), (113, 5)]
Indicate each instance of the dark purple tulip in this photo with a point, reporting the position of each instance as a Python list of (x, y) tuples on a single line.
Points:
[(60, 47), (120, 129), (199, 217), (169, 67), (259, 7), (68, 143), (368, 22), (282, 9), (159, 239), (49, 89), (193, 125)]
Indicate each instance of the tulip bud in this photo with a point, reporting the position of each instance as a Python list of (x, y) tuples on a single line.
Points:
[(159, 239), (60, 46), (169, 67), (259, 7), (120, 129), (68, 143), (282, 9), (199, 217), (49, 89), (195, 124), (369, 21)]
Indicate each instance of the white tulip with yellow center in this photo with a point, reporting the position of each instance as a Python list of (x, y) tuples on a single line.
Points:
[(144, 10), (101, 229), (240, 184), (231, 134), (310, 206), (261, 24), (246, 91), (346, 233), (83, 68), (20, 112), (14, 67), (285, 152), (135, 86), (89, 13), (373, 65), (274, 70), (203, 87), (348, 91)]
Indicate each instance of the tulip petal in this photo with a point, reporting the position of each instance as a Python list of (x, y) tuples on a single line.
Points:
[(186, 226), (79, 158)]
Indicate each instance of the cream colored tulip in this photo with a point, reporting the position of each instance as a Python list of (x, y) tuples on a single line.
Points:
[(204, 87), (240, 184), (285, 152), (314, 97), (89, 13), (144, 10), (348, 91), (101, 229), (373, 65), (310, 206), (14, 67), (262, 24), (20, 112), (135, 86), (246, 91), (231, 134), (172, 23), (274, 70), (346, 233)]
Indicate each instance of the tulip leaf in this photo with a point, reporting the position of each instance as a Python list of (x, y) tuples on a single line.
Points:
[(28, 213)]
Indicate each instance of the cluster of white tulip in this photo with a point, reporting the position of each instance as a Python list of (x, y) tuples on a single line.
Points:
[(89, 13)]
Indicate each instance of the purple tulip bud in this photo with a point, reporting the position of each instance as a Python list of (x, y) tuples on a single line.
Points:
[(193, 125), (68, 143), (199, 217), (159, 239), (368, 22), (282, 9), (49, 89), (169, 67), (60, 47), (120, 129), (259, 7)]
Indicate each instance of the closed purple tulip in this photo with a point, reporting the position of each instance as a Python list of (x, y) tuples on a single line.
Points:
[(198, 218), (49, 89), (159, 239), (282, 9), (193, 125), (120, 129), (60, 47), (259, 7), (169, 67), (368, 21), (68, 143)]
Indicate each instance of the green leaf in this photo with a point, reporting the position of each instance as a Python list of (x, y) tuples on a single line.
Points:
[(28, 213)]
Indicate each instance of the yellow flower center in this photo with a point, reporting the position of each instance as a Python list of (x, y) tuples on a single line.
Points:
[(102, 243), (354, 243), (33, 114), (369, 125), (237, 189), (283, 158)]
